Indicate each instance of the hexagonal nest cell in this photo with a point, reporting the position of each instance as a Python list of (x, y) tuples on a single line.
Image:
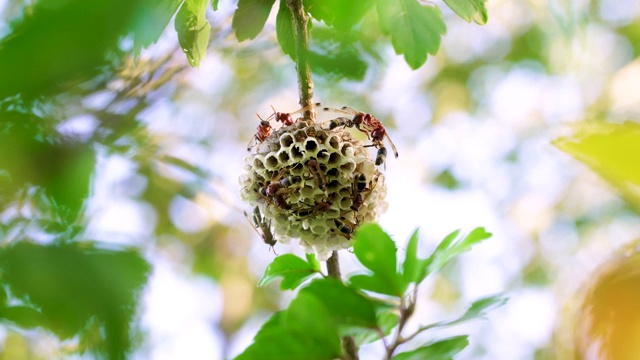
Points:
[(313, 184)]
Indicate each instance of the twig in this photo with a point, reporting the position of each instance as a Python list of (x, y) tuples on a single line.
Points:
[(305, 84), (407, 306)]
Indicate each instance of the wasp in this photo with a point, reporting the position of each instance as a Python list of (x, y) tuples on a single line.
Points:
[(366, 123), (277, 183), (360, 188), (381, 156), (317, 173), (345, 227), (312, 210), (286, 118), (263, 131), (262, 227)]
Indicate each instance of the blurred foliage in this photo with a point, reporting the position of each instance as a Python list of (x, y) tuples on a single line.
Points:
[(75, 37), (35, 155), (606, 148), (74, 289), (607, 323)]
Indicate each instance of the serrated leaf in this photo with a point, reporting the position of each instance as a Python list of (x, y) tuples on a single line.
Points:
[(477, 310), (285, 30), (444, 349), (377, 252), (193, 30), (611, 150), (250, 17), (152, 22), (469, 10), (410, 268), (453, 246), (339, 14), (415, 29), (347, 306), (292, 269)]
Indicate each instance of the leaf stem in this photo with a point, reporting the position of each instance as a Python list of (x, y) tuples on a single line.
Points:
[(301, 31)]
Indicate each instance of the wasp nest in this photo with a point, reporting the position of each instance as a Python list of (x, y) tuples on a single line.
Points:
[(311, 183)]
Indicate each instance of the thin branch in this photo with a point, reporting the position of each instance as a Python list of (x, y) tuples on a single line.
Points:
[(305, 84), (407, 307)]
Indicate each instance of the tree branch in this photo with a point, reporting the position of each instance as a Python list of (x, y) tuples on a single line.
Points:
[(301, 30), (333, 266)]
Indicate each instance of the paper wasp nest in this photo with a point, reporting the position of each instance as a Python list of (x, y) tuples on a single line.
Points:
[(314, 184)]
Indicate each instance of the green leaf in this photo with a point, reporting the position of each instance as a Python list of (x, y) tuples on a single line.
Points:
[(73, 37), (313, 262), (469, 10), (453, 246), (410, 266), (250, 17), (415, 29), (23, 316), (347, 306), (377, 252), (310, 319), (372, 283), (444, 349), (3, 296), (340, 14), (611, 150), (152, 21), (292, 269), (285, 30), (306, 330), (31, 155), (76, 284), (387, 321), (214, 5), (193, 30), (477, 310), (336, 54)]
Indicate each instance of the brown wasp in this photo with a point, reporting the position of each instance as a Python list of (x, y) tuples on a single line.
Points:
[(263, 131), (286, 118), (264, 128), (262, 227), (317, 173), (368, 124), (278, 183)]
